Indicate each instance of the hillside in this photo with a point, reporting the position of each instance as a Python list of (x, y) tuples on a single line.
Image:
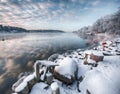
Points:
[(108, 25), (11, 29)]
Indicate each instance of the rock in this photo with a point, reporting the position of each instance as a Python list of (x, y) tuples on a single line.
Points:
[(62, 78), (15, 85), (49, 78), (24, 84), (31, 83), (106, 43), (55, 88), (97, 56), (107, 53), (24, 91), (53, 57), (23, 74), (66, 71), (85, 62), (87, 53)]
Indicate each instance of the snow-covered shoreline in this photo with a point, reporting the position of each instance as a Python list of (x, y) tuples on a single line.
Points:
[(95, 75)]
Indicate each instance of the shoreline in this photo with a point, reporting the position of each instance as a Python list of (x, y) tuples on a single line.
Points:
[(79, 56)]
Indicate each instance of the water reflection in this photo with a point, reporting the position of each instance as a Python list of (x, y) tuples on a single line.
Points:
[(19, 52)]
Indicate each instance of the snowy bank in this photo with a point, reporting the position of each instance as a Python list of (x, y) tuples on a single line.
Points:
[(84, 78)]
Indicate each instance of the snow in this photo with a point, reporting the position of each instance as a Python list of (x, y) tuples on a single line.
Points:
[(48, 74), (88, 52), (44, 69), (21, 87), (23, 84), (54, 86), (39, 88), (103, 79), (67, 67), (91, 61), (117, 40), (82, 69), (108, 42), (46, 63), (29, 77), (97, 53), (96, 83)]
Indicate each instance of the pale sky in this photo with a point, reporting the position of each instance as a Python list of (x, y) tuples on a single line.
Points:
[(67, 15)]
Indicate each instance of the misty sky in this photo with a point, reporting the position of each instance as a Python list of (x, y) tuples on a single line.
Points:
[(67, 15)]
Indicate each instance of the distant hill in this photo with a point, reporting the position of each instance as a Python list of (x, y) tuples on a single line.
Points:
[(11, 29), (47, 31)]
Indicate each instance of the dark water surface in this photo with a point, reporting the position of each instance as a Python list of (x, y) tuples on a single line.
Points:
[(19, 52)]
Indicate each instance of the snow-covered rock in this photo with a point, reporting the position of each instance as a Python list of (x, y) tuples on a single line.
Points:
[(39, 88), (82, 70), (66, 71), (106, 43), (55, 88), (93, 56), (97, 56), (103, 79), (22, 84)]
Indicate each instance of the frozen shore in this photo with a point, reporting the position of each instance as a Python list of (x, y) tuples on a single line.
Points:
[(97, 72)]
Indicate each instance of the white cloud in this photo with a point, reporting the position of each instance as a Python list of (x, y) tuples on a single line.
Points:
[(95, 2), (29, 14), (3, 1)]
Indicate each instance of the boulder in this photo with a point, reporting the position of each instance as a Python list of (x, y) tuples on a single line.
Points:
[(66, 71), (97, 56), (49, 78)]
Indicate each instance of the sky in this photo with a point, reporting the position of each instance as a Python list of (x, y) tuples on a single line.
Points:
[(66, 15)]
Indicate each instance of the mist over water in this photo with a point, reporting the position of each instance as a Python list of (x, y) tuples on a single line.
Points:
[(19, 52)]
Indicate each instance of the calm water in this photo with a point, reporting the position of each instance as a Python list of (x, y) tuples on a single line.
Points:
[(19, 52)]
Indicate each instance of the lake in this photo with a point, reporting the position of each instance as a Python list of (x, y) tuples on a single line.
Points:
[(18, 52)]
